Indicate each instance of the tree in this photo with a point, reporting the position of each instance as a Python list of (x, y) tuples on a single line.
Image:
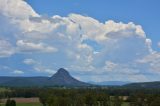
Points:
[(103, 99), (0, 101), (90, 99), (79, 101), (10, 102), (156, 102), (43, 98), (117, 101)]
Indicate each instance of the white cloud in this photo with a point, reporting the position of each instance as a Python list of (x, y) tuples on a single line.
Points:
[(6, 48), (29, 61), (42, 69), (120, 45), (33, 47), (153, 61), (38, 66), (16, 9), (110, 66), (158, 44), (18, 72)]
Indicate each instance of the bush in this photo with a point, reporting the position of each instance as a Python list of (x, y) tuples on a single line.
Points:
[(10, 103)]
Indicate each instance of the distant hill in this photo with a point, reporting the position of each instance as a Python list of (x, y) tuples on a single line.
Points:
[(61, 78), (111, 83), (155, 84)]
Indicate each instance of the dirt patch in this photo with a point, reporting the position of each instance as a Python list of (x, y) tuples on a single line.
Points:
[(24, 100)]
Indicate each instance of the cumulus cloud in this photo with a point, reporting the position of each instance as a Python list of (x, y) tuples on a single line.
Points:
[(33, 47), (158, 44), (38, 66), (29, 61), (18, 72), (82, 44), (152, 61), (16, 9), (6, 48)]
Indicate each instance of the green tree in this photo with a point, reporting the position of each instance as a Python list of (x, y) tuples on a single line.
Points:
[(52, 101), (0, 101), (64, 101), (90, 99), (117, 101), (43, 98), (156, 102), (103, 99), (10, 102), (79, 101)]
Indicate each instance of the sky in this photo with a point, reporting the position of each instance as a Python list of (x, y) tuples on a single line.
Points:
[(100, 40)]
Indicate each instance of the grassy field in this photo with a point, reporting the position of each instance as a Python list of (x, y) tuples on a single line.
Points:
[(26, 104)]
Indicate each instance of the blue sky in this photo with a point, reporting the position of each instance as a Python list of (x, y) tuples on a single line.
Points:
[(143, 12), (95, 40)]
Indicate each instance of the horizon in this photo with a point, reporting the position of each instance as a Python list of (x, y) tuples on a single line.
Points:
[(113, 42), (89, 82)]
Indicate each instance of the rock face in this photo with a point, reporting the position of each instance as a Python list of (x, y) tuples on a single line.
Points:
[(60, 78)]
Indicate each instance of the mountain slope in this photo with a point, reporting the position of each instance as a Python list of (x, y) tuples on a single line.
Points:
[(61, 78), (155, 85)]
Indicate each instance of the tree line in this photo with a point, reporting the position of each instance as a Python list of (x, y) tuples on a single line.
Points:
[(88, 96)]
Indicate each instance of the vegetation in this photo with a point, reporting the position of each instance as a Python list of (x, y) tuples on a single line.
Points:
[(26, 104), (112, 96), (10, 102)]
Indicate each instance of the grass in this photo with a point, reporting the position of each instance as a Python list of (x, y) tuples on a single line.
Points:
[(29, 104), (23, 101), (125, 104), (26, 104)]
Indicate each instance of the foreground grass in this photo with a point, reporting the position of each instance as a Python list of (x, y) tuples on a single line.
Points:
[(29, 104), (125, 104), (26, 104)]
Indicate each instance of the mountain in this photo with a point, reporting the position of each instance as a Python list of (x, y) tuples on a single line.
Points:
[(111, 83), (153, 85), (60, 78)]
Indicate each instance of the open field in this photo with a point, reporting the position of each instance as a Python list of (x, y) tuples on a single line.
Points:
[(26, 104), (33, 102), (24, 101)]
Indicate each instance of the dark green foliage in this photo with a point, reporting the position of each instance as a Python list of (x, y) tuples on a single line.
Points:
[(141, 99), (155, 102), (76, 97), (89, 96), (116, 101), (155, 85), (90, 99), (10, 102)]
